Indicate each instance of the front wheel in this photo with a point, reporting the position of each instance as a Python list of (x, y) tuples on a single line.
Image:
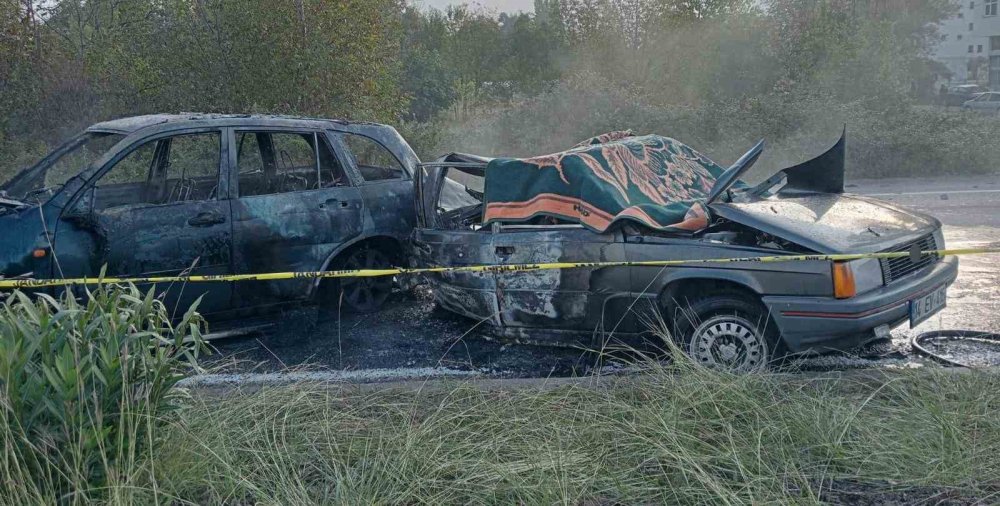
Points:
[(729, 332)]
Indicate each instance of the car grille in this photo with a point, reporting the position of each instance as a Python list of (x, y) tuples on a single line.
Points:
[(895, 268)]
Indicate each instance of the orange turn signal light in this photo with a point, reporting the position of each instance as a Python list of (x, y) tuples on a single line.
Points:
[(843, 281), (39, 253)]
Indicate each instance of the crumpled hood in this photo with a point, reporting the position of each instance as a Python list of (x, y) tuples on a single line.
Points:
[(831, 223)]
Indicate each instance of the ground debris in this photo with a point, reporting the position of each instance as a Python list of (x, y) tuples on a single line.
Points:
[(882, 492)]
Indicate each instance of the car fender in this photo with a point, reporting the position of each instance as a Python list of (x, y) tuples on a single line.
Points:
[(347, 245), (669, 280)]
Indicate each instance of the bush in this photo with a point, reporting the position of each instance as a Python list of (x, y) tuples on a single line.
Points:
[(83, 386)]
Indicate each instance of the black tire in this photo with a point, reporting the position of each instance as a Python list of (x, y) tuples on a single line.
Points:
[(356, 295), (728, 331)]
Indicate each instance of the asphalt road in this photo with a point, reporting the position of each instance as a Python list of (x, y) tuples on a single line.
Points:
[(969, 208), (410, 334)]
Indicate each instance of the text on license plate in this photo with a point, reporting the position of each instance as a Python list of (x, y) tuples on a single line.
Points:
[(926, 306)]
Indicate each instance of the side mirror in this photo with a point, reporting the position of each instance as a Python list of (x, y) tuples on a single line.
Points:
[(81, 212)]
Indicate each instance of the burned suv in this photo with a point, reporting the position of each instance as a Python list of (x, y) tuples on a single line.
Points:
[(626, 198), (216, 194)]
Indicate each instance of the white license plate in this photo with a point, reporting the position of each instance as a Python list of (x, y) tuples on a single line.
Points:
[(926, 306)]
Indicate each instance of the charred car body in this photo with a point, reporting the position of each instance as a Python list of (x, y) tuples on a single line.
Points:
[(624, 198), (216, 194)]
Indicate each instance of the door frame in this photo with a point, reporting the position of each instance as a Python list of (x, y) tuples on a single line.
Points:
[(233, 183), (224, 187)]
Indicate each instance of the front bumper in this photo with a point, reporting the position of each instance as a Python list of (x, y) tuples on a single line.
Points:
[(819, 324)]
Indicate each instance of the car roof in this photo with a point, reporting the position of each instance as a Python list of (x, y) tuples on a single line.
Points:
[(135, 123)]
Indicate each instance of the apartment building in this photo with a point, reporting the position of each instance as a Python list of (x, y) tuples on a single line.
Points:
[(971, 43)]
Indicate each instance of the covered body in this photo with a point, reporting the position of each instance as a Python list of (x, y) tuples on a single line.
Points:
[(655, 181)]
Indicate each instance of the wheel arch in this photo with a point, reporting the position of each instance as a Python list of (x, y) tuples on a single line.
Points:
[(385, 242), (678, 292), (686, 286)]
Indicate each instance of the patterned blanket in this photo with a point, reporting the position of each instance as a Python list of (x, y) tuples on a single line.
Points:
[(656, 181)]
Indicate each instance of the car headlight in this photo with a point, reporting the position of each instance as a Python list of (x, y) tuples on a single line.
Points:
[(856, 276), (867, 274)]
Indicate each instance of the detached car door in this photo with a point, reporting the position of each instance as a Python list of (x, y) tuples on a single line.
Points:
[(160, 208), (295, 207)]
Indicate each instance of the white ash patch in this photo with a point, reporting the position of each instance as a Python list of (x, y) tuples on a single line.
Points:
[(970, 351)]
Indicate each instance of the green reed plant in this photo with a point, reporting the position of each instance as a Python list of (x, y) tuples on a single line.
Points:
[(84, 385)]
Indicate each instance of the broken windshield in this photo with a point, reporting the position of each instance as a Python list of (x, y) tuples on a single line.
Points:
[(65, 162)]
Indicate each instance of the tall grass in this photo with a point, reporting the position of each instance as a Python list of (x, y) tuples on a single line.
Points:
[(84, 389), (679, 434), (91, 415)]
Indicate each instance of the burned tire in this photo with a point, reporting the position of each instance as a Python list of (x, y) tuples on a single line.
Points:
[(356, 295), (728, 331)]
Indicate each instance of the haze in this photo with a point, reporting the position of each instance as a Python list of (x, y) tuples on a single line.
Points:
[(498, 5)]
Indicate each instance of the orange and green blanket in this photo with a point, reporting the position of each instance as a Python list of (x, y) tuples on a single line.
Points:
[(654, 180)]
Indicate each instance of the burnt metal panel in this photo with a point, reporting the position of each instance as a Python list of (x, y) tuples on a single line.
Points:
[(290, 232), (471, 294), (162, 240), (564, 298)]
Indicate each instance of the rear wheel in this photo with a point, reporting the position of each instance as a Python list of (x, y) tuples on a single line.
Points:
[(727, 331), (357, 295)]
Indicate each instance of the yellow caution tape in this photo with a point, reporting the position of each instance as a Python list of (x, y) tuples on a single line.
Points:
[(371, 273)]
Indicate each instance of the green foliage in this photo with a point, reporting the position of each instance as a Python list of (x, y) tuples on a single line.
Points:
[(69, 63), (84, 388), (892, 140), (677, 435)]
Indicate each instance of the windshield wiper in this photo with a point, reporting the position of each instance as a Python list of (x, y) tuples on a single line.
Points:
[(46, 189)]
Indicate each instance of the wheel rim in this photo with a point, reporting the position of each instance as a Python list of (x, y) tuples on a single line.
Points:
[(729, 342), (366, 294)]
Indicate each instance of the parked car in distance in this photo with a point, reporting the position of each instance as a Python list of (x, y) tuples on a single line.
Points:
[(596, 203), (984, 103), (962, 93), (166, 194)]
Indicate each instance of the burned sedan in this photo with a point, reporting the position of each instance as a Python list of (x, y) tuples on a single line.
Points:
[(621, 197), (216, 194)]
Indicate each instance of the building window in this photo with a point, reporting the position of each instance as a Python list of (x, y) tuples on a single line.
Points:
[(971, 26), (972, 6), (959, 37), (991, 7), (995, 43), (961, 15), (971, 48), (979, 48)]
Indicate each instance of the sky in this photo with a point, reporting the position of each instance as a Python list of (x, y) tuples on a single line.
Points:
[(498, 5)]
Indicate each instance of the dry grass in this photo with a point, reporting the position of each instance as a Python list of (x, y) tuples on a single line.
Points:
[(675, 435)]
